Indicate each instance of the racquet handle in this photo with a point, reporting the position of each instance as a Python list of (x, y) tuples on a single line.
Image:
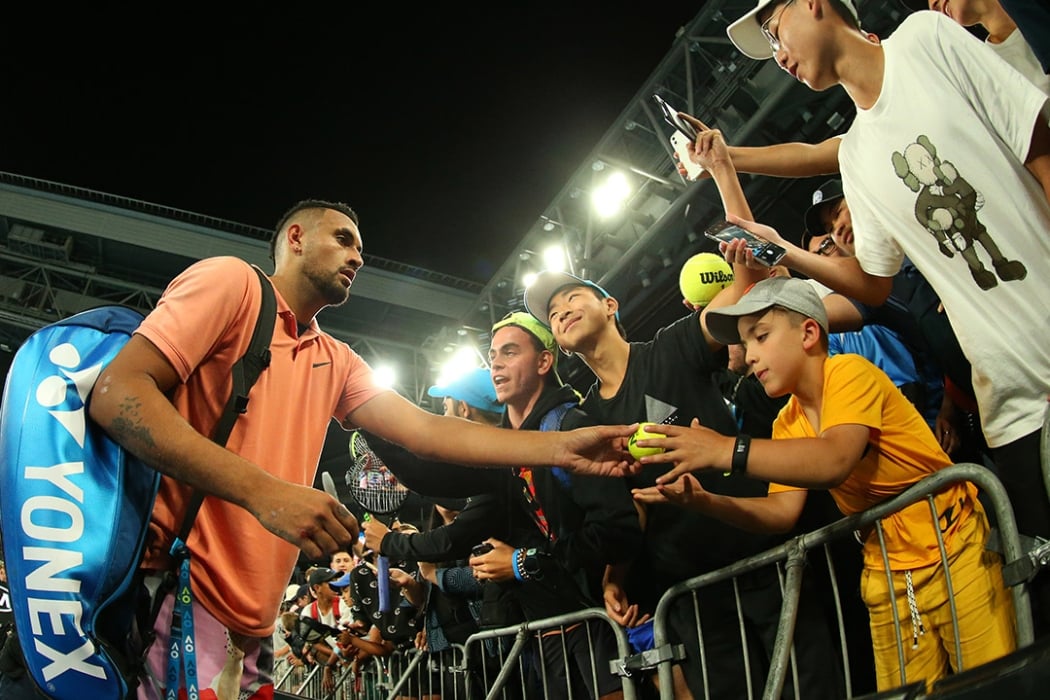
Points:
[(383, 582), (329, 485)]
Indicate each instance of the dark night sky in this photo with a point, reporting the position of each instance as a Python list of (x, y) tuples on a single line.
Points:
[(448, 129)]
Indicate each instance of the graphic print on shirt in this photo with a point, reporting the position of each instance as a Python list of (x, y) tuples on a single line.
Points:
[(947, 207)]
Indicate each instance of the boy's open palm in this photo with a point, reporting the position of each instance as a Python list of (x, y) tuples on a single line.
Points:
[(685, 492)]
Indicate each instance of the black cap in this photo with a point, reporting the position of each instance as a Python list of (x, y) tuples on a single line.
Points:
[(830, 191), (323, 575)]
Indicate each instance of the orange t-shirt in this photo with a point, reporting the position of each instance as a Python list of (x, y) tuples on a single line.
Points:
[(202, 325), (902, 451)]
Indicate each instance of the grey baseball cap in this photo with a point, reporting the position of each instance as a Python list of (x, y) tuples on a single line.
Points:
[(786, 292)]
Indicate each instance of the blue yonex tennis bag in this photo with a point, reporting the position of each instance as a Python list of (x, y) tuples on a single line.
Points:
[(74, 511)]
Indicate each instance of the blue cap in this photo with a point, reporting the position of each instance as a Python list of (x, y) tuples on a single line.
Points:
[(474, 388), (341, 582)]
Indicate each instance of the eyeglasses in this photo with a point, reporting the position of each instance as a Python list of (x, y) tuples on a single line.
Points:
[(774, 39), (826, 247)]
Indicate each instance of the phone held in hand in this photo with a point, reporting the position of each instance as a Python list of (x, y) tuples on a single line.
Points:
[(672, 118), (479, 549), (767, 253), (683, 134)]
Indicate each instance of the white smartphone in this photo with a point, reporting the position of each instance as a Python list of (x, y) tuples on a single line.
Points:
[(767, 253), (693, 170), (684, 133)]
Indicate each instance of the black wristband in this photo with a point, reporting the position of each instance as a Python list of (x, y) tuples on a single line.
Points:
[(740, 452)]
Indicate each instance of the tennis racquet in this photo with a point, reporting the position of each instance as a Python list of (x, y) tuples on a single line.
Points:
[(379, 493)]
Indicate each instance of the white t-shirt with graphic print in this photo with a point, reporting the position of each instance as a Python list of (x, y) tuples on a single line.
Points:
[(934, 171)]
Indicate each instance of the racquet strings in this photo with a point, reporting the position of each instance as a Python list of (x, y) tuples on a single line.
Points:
[(370, 481)]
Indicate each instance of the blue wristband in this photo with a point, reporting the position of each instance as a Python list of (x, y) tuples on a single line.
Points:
[(514, 565)]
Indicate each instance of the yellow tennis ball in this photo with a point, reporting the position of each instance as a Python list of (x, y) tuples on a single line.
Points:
[(703, 276), (643, 434)]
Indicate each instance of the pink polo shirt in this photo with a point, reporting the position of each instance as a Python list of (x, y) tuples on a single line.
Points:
[(202, 324)]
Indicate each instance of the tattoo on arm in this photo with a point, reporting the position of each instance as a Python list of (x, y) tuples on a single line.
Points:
[(127, 426)]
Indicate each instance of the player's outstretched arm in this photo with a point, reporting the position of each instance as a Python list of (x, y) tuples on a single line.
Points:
[(598, 450)]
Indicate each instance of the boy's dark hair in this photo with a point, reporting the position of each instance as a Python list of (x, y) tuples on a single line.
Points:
[(302, 206)]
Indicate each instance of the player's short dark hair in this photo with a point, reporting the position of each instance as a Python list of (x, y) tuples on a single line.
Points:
[(304, 205)]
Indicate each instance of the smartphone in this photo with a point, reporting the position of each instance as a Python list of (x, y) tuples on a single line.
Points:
[(767, 253), (672, 118), (681, 147), (683, 134), (479, 549)]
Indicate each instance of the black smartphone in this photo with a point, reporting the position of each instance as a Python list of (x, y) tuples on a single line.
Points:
[(767, 253), (479, 549), (672, 118)]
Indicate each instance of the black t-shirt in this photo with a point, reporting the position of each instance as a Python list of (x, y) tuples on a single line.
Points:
[(669, 381)]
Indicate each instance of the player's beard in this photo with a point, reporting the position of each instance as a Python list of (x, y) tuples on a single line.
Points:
[(328, 285)]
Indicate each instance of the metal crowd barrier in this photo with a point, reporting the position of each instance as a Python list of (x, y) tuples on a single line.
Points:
[(497, 658), (512, 678), (792, 556)]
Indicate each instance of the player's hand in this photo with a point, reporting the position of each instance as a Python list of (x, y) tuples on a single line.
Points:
[(375, 531), (309, 518), (599, 450), (689, 449), (496, 564)]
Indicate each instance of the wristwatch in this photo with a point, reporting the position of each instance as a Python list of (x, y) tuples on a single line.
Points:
[(531, 564)]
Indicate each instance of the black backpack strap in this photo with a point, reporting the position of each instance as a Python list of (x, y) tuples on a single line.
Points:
[(245, 371)]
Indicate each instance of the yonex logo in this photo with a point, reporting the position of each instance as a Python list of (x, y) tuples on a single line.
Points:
[(52, 392), (53, 515)]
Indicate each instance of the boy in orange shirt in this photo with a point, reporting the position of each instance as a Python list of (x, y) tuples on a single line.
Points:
[(848, 429)]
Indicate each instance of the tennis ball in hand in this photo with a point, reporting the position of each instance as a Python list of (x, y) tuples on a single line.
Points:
[(703, 276), (643, 434)]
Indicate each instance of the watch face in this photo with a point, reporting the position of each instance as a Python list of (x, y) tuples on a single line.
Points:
[(531, 563)]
